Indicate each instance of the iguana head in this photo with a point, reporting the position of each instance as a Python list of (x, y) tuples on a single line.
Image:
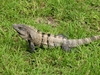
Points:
[(22, 30)]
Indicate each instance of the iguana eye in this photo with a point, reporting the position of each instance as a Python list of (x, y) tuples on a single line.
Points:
[(20, 28)]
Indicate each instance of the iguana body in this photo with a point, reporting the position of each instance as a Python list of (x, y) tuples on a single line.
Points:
[(37, 38)]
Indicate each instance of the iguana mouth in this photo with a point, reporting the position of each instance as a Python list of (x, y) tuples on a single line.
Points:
[(19, 33)]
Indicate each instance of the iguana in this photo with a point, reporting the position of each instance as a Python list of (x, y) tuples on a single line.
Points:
[(36, 38)]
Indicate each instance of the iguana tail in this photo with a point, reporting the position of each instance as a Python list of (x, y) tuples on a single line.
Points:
[(77, 42)]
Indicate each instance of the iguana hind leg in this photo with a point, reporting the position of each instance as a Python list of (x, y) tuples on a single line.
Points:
[(65, 47), (31, 45)]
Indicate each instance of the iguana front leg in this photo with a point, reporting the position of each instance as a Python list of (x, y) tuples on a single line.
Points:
[(31, 45)]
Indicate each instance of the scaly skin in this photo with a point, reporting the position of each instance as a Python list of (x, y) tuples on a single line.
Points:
[(37, 38)]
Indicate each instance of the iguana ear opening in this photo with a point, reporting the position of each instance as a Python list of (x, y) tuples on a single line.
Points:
[(32, 35)]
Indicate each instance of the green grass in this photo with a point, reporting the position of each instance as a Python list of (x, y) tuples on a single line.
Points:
[(75, 19)]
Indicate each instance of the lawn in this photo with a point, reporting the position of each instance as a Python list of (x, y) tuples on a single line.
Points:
[(74, 19)]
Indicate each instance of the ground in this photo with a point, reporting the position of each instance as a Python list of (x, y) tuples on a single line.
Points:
[(73, 19)]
